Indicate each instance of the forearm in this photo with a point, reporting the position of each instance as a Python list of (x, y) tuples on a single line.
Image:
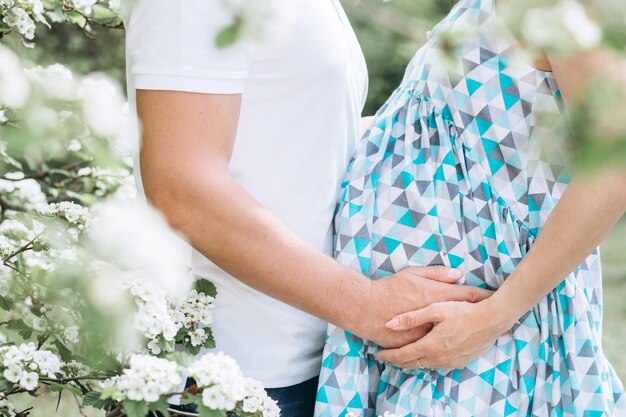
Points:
[(228, 226), (586, 213)]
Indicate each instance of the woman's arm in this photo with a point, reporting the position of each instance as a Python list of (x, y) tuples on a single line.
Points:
[(187, 142), (586, 213)]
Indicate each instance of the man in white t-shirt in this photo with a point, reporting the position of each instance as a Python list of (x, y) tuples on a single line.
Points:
[(244, 149)]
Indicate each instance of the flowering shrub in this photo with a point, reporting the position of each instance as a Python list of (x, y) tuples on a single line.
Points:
[(22, 16), (96, 297)]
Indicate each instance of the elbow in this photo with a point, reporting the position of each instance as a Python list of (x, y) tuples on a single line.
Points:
[(170, 201)]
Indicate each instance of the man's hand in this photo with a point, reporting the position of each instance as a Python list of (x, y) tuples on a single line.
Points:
[(411, 289)]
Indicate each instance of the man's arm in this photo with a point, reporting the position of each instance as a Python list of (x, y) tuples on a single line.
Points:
[(187, 142)]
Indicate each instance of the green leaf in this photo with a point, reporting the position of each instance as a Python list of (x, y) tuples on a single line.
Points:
[(135, 408), (228, 35), (63, 351), (209, 343), (21, 328), (160, 406), (5, 385), (165, 345), (108, 392), (76, 18), (65, 387), (103, 13), (181, 358), (206, 287), (6, 304), (188, 399), (92, 398), (194, 350), (207, 412)]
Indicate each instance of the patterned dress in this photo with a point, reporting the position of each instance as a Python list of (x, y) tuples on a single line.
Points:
[(456, 170)]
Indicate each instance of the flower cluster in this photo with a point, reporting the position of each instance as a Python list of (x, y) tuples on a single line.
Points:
[(84, 6), (256, 400), (564, 24), (6, 408), (25, 364), (153, 317), (75, 214), (194, 311), (148, 378), (224, 386), (21, 15), (160, 319)]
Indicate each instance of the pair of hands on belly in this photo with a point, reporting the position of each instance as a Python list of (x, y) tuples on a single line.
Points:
[(450, 324), (455, 332), (441, 324)]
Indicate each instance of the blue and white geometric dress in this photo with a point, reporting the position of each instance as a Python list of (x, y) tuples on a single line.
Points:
[(455, 170)]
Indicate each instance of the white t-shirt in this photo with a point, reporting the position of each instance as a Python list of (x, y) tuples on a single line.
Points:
[(303, 92)]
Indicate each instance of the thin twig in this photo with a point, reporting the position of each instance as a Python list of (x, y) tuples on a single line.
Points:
[(182, 413), (27, 246), (115, 412)]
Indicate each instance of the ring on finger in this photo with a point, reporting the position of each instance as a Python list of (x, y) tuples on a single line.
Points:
[(419, 364)]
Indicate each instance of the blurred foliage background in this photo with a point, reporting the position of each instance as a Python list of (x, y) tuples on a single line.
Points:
[(390, 33)]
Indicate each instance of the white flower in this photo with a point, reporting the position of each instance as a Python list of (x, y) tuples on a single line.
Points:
[(5, 247), (270, 408), (29, 190), (198, 337), (148, 378), (29, 380), (24, 364), (13, 373), (72, 212), (47, 362), (585, 31), (18, 18), (104, 106), (14, 86), (3, 117), (564, 25), (151, 393), (71, 334), (222, 381), (214, 398), (75, 146), (14, 230), (115, 5), (133, 236), (84, 6), (56, 81)]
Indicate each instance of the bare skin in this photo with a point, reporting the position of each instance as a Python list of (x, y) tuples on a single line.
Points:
[(187, 143), (584, 216)]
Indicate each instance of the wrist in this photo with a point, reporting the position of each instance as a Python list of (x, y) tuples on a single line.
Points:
[(356, 316), (504, 308)]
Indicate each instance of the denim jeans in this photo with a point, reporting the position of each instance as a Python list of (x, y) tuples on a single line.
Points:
[(294, 401)]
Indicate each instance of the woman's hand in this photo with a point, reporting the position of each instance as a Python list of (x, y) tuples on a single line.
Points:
[(461, 332)]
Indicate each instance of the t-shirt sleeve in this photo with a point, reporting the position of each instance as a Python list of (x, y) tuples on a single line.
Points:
[(171, 46)]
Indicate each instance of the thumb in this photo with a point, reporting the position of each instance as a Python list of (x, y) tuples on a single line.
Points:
[(439, 273), (417, 318)]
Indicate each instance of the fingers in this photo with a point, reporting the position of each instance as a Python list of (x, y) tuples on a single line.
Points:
[(463, 293), (438, 273), (404, 356), (417, 318)]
